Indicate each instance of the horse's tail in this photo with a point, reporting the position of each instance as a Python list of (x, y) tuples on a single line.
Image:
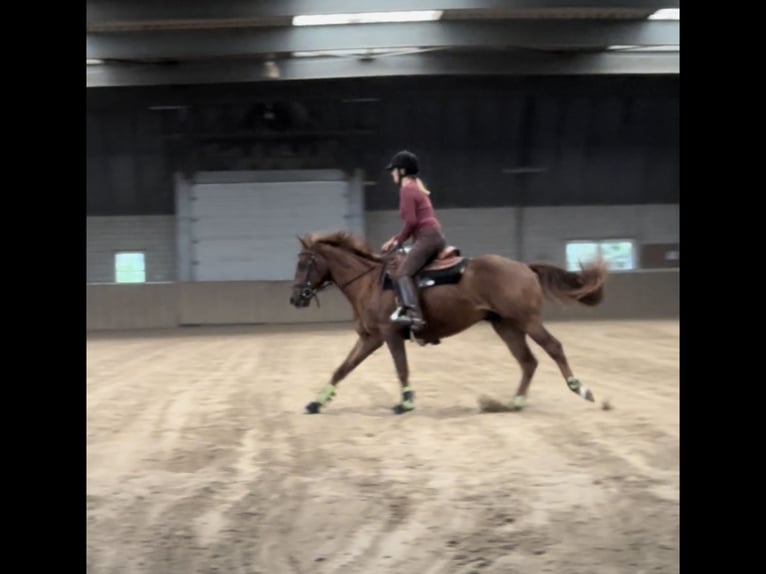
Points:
[(585, 287)]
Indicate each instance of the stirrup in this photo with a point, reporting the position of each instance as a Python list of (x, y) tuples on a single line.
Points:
[(400, 316)]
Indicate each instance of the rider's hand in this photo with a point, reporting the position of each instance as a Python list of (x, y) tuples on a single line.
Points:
[(388, 244)]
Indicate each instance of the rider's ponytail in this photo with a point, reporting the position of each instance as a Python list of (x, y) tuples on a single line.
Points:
[(421, 186)]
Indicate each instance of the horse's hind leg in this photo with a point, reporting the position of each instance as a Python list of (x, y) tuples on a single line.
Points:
[(515, 339), (553, 347)]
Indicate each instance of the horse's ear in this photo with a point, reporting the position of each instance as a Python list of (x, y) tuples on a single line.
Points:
[(303, 242)]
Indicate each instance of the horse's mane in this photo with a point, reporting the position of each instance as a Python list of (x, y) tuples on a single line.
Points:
[(344, 240)]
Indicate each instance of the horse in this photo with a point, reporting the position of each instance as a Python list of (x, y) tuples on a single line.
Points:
[(456, 293)]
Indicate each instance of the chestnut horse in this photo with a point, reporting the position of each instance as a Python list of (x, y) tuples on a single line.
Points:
[(506, 293)]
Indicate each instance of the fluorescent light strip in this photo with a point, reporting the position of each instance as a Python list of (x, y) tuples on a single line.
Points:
[(367, 18), (358, 52), (90, 62), (364, 52), (666, 14), (669, 48)]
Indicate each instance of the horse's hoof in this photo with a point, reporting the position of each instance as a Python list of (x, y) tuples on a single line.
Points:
[(313, 408), (589, 396), (574, 384), (400, 409), (519, 403)]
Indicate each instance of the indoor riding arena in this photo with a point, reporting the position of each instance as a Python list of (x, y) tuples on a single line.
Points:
[(218, 133)]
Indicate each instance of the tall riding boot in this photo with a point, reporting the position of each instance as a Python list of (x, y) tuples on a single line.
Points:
[(408, 297)]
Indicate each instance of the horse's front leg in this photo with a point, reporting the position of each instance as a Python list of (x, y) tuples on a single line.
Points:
[(364, 347), (396, 345)]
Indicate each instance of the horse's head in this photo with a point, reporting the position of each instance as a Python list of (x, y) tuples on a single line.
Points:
[(311, 275)]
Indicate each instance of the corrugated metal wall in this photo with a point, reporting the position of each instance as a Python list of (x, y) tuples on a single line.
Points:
[(543, 236), (540, 233)]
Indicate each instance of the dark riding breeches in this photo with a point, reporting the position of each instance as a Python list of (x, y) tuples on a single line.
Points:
[(425, 249)]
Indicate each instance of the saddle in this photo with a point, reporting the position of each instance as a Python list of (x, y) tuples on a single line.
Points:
[(446, 268)]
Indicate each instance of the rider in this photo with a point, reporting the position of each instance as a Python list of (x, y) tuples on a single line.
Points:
[(421, 224)]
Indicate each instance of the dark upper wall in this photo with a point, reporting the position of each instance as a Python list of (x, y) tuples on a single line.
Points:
[(129, 171), (483, 141)]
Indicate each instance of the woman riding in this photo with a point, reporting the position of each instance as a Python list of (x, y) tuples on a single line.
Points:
[(420, 224)]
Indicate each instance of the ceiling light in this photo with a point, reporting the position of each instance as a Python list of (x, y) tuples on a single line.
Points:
[(666, 14), (367, 18), (91, 62), (271, 70)]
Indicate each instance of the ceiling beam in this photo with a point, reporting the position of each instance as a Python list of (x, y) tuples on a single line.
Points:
[(405, 65), (107, 11), (177, 45)]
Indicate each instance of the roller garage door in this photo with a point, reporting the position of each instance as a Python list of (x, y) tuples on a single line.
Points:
[(247, 231)]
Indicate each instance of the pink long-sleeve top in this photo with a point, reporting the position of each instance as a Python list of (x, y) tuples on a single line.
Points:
[(417, 212)]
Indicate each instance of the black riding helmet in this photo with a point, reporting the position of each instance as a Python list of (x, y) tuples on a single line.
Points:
[(404, 160)]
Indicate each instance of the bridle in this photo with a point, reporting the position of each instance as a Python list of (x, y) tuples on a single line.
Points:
[(309, 292)]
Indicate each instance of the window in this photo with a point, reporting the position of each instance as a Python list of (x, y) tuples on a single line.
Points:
[(129, 267), (618, 254)]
